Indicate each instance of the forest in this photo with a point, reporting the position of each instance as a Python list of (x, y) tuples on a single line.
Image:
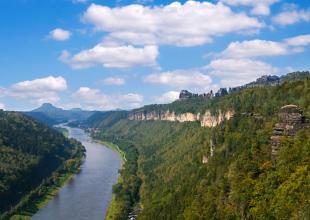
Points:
[(31, 163), (165, 177)]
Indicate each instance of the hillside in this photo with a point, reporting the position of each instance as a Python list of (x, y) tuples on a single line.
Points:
[(32, 162), (227, 171), (41, 117), (59, 115)]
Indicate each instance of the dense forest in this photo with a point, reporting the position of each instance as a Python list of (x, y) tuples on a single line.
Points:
[(165, 176), (32, 157)]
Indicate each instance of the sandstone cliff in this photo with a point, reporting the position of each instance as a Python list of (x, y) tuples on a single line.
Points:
[(291, 120), (206, 119)]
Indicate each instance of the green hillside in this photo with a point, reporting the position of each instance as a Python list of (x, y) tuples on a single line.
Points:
[(32, 157), (165, 177)]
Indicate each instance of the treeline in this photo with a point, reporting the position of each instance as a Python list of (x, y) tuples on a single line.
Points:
[(32, 157), (240, 181), (246, 100)]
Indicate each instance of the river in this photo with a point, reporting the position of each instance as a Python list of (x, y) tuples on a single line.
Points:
[(88, 194)]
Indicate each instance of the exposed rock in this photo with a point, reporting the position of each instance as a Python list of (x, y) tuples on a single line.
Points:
[(206, 119), (205, 159), (221, 92), (212, 148), (184, 94), (268, 80), (290, 121), (208, 95)]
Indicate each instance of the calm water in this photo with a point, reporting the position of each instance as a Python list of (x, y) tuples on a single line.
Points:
[(88, 194)]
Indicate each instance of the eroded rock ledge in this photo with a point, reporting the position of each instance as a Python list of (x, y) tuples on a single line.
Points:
[(291, 120), (206, 119)]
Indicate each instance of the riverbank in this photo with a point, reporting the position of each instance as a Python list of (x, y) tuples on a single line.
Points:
[(115, 148), (49, 187), (128, 180), (43, 201), (113, 206), (64, 131)]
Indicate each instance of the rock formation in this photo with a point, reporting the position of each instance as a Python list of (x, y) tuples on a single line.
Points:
[(184, 94), (290, 121), (206, 119), (221, 92)]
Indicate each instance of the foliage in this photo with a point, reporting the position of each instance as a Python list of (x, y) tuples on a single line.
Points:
[(30, 153), (166, 175)]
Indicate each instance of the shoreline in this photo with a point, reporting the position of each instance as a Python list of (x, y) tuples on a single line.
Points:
[(112, 209), (34, 206), (28, 206)]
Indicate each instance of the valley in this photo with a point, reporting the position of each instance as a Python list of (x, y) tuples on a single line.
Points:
[(234, 156)]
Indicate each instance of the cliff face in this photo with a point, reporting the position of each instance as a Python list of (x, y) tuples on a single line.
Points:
[(206, 119), (290, 121)]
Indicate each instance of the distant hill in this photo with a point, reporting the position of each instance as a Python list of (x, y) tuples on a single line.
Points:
[(41, 117), (59, 115)]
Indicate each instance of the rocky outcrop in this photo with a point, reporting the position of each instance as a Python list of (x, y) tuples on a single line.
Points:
[(184, 94), (291, 120), (205, 158), (206, 119)]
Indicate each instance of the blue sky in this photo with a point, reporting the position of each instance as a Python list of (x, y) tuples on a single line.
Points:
[(123, 54)]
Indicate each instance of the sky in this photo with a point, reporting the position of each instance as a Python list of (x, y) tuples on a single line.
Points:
[(105, 55)]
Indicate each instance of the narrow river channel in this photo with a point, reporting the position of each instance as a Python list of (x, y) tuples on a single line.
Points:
[(88, 194)]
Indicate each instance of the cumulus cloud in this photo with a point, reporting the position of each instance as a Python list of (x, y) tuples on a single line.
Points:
[(181, 79), (167, 97), (118, 81), (190, 24), (255, 48), (289, 17), (60, 34), (38, 91), (112, 56), (260, 7), (263, 48), (94, 99), (235, 72), (50, 83), (301, 40)]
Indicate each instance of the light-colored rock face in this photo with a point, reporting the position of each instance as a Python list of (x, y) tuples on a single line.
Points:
[(206, 119)]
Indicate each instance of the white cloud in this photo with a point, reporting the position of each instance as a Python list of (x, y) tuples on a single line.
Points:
[(301, 40), (118, 81), (264, 48), (289, 17), (50, 83), (112, 56), (181, 79), (167, 97), (94, 99), (190, 24), (38, 91), (60, 34), (260, 7), (255, 48), (235, 72)]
